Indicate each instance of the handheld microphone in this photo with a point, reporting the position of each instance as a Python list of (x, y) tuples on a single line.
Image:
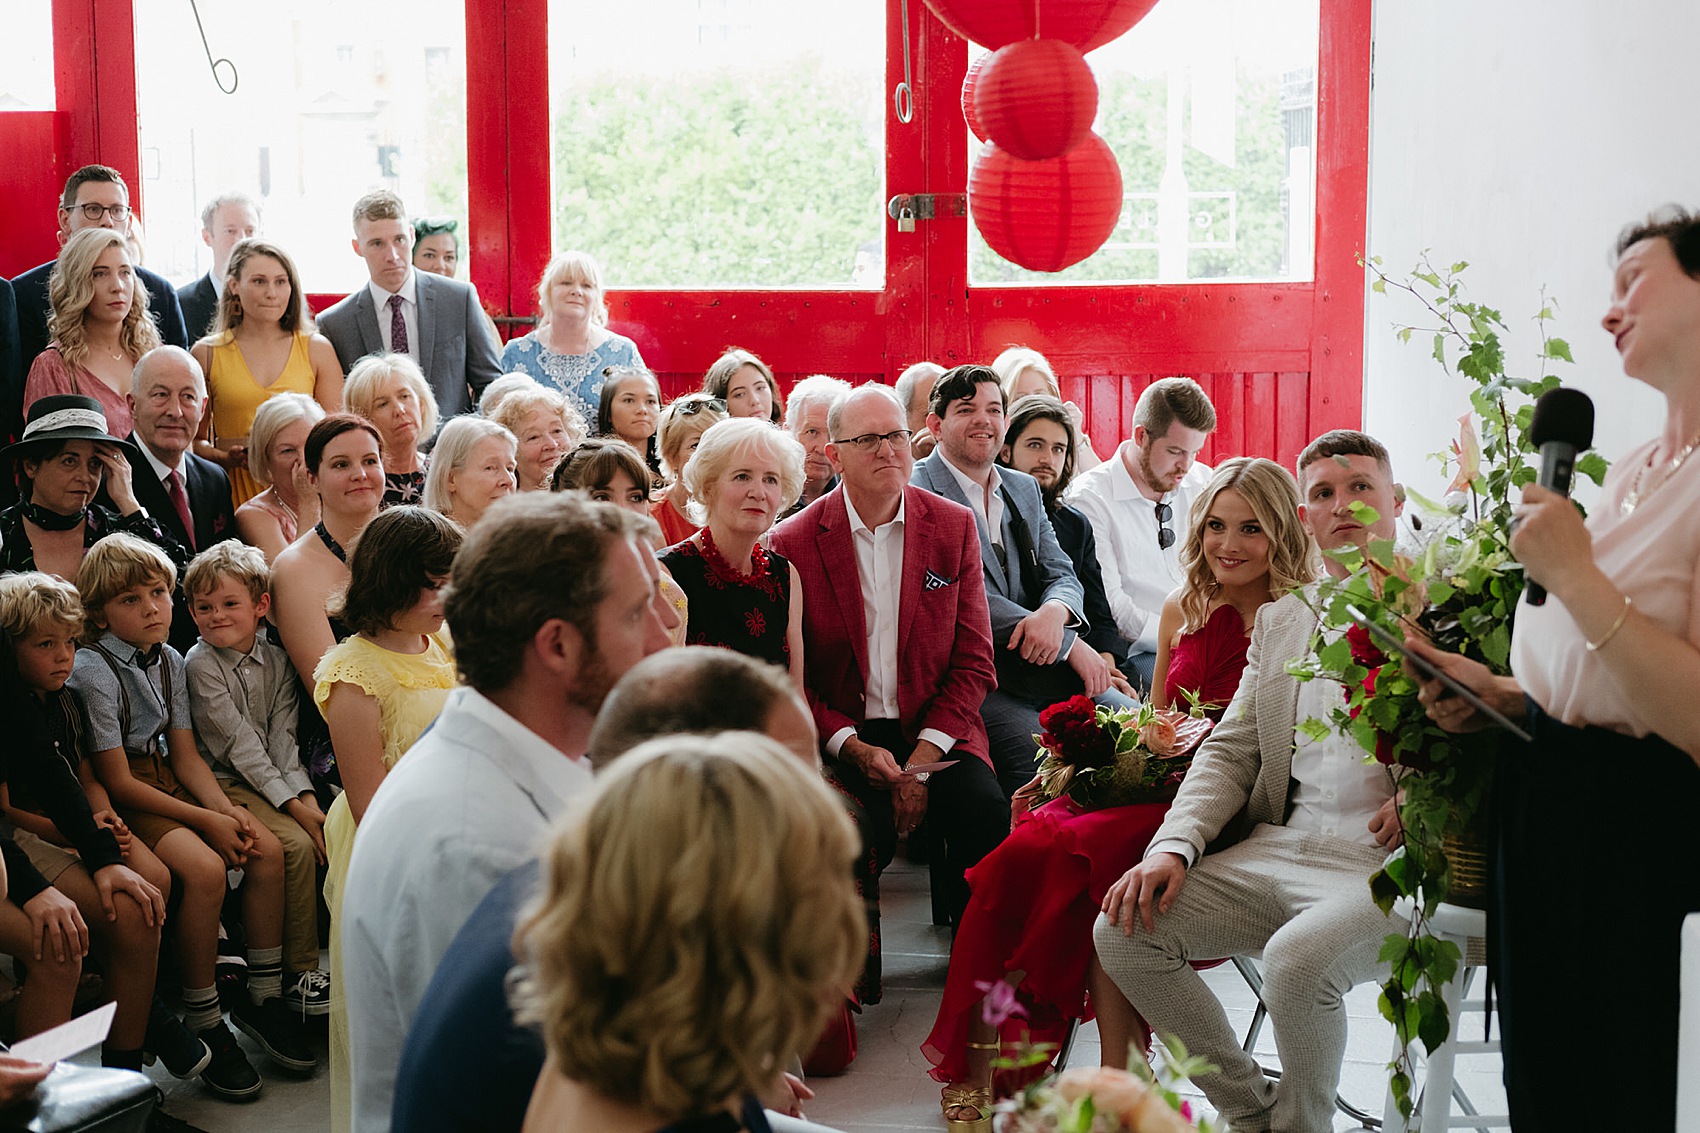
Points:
[(1563, 426)]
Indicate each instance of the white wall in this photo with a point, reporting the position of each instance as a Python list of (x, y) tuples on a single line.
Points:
[(1520, 136)]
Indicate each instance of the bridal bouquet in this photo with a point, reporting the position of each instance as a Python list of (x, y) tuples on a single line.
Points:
[(1106, 1100), (1104, 757)]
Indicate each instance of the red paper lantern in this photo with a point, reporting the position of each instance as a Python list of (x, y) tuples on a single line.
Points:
[(1036, 98), (1046, 215), (1085, 24), (969, 82)]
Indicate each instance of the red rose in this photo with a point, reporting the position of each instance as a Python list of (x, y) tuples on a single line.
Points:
[(1073, 735), (1364, 650)]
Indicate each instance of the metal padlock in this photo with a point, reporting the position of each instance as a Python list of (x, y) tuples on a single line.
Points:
[(906, 219)]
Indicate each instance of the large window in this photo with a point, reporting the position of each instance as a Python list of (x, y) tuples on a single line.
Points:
[(26, 55), (1210, 109), (720, 143), (332, 98)]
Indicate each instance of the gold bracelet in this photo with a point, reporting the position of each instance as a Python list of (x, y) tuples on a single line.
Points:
[(1596, 646)]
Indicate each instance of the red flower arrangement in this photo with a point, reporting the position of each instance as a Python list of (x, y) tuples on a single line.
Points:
[(1102, 757)]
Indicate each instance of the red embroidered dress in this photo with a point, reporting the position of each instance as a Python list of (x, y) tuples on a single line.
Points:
[(746, 612)]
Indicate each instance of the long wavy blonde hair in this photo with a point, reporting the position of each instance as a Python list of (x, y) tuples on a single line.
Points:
[(697, 923), (1273, 496), (70, 290)]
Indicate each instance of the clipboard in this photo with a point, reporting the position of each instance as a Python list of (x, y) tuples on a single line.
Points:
[(1394, 646)]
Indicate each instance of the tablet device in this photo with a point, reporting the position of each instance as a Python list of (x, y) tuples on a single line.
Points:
[(1394, 646)]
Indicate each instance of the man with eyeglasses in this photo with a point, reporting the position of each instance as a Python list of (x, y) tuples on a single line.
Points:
[(95, 197), (898, 647), (1138, 502)]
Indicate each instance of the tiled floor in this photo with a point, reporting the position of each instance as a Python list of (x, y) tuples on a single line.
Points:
[(887, 1090)]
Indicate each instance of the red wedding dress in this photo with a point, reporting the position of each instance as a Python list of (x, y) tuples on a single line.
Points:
[(1034, 899)]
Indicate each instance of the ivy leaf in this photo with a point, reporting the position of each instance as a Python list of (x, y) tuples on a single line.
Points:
[(1558, 348), (1379, 286), (1593, 466), (1433, 1023), (1316, 730)]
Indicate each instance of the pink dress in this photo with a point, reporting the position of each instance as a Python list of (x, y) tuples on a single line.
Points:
[(50, 375), (1034, 899)]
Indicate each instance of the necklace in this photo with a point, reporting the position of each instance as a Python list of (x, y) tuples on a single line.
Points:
[(1634, 498)]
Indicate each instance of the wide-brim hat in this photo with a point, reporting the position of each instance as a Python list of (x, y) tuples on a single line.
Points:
[(64, 417)]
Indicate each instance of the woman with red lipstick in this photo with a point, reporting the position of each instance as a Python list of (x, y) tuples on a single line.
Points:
[(1029, 919), (742, 596), (99, 326)]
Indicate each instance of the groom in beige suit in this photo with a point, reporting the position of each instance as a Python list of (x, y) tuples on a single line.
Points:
[(1296, 887)]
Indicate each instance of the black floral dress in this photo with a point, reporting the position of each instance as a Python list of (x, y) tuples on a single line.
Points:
[(749, 613)]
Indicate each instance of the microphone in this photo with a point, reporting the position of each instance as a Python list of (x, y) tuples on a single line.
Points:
[(1563, 426)]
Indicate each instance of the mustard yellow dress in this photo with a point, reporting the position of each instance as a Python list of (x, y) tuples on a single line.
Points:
[(236, 396), (410, 690)]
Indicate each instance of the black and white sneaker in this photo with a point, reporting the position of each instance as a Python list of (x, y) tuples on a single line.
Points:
[(230, 1075), (308, 993), (171, 1042), (280, 1034)]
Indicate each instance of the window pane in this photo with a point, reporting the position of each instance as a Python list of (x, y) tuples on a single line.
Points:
[(333, 98), (738, 144), (1210, 108), (26, 55)]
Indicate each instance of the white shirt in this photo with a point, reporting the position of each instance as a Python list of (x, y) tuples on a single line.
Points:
[(990, 512), (409, 314), (161, 469), (1138, 573), (1336, 788), (879, 568), (472, 800)]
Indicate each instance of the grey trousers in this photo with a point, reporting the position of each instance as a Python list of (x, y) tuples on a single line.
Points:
[(1302, 900)]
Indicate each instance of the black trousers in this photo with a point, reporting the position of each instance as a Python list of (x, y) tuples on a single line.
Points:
[(1595, 868)]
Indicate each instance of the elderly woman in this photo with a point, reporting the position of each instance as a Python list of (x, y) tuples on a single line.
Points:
[(683, 423), (629, 408), (696, 927), (572, 347), (261, 345), (99, 325), (1021, 372), (390, 392), (274, 518), (471, 468), (746, 384), (743, 596), (1605, 672), (65, 452), (545, 429), (497, 391)]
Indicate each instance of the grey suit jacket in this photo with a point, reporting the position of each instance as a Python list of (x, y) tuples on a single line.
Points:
[(1055, 572), (456, 350), (1246, 763)]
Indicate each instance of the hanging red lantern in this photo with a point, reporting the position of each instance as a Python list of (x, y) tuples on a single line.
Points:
[(969, 82), (1046, 215), (1036, 98), (1086, 24)]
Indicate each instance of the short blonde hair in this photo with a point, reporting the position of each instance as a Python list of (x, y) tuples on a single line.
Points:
[(113, 565), (513, 409), (361, 388), (1017, 360), (678, 426), (499, 389), (725, 441), (697, 923), (277, 413), (459, 438), (572, 265), (33, 597), (232, 559)]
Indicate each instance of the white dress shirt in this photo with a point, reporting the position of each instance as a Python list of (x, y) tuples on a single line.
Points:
[(161, 469), (1336, 788), (1138, 573), (988, 510), (409, 314), (879, 568)]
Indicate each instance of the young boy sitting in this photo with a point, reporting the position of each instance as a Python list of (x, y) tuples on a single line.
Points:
[(243, 703), (135, 688)]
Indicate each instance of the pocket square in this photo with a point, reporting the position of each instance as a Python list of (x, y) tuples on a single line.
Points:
[(937, 581)]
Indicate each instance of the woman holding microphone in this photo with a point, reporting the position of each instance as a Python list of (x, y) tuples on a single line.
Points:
[(1594, 818)]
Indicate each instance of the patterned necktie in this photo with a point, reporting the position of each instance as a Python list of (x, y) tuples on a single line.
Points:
[(398, 327), (180, 501)]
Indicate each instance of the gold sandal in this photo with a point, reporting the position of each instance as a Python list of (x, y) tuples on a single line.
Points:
[(977, 1098)]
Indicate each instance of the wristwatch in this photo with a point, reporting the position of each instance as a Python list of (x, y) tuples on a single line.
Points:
[(921, 777)]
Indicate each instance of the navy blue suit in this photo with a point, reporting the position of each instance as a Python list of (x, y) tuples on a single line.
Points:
[(199, 301), (31, 288)]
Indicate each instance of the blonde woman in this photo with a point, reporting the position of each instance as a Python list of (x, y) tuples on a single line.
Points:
[(683, 423), (262, 344), (572, 345), (471, 468), (98, 325), (390, 391), (1029, 920), (1022, 371), (697, 925), (287, 505), (545, 426)]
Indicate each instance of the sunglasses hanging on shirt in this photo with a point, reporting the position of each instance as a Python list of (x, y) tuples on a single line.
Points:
[(1165, 533)]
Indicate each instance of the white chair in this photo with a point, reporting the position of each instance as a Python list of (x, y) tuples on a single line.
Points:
[(1688, 1042), (1467, 928)]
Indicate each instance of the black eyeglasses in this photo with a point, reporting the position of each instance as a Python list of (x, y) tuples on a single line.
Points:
[(95, 212), (870, 442), (1165, 533)]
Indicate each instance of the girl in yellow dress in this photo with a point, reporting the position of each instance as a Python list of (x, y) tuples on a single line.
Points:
[(262, 343), (379, 689)]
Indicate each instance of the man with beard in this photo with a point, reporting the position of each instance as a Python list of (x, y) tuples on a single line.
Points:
[(549, 605), (1138, 503)]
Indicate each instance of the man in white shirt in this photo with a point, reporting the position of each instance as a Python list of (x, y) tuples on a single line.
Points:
[(1138, 502), (550, 602), (228, 218), (1297, 887)]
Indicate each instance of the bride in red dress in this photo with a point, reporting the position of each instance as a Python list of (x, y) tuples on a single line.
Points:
[(1029, 920)]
